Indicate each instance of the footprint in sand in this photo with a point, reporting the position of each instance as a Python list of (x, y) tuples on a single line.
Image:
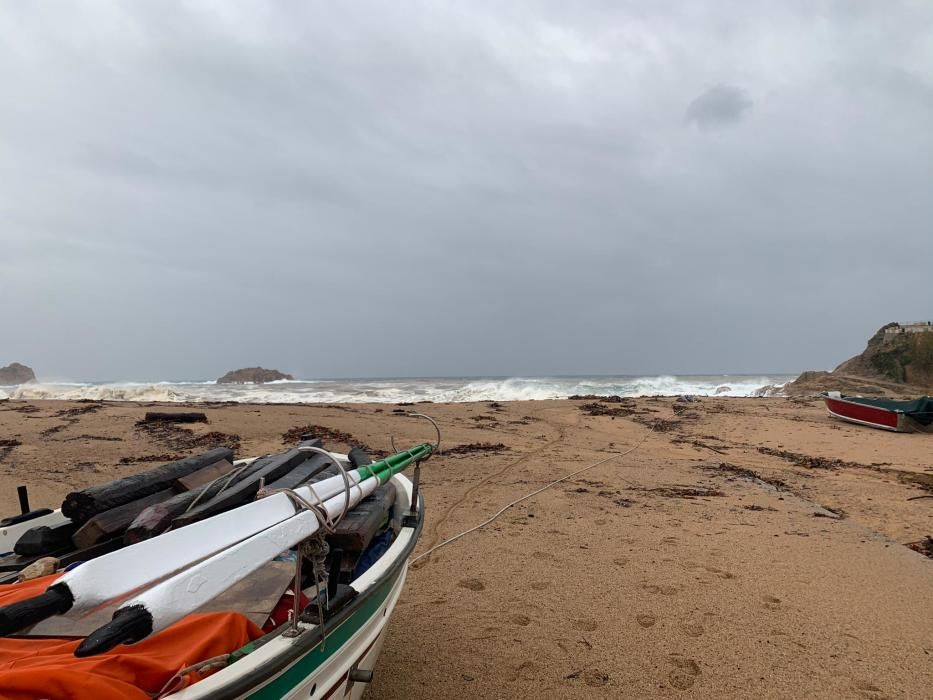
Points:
[(771, 603), (528, 671), (669, 590), (520, 620), (651, 588), (646, 620), (547, 556), (473, 584), (584, 624), (693, 630), (685, 672), (720, 572), (620, 561), (869, 690), (595, 678), (540, 585)]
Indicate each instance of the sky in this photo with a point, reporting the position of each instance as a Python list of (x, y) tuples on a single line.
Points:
[(527, 188)]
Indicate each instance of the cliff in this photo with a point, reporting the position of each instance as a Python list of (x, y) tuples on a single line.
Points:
[(253, 375), (892, 364), (16, 374)]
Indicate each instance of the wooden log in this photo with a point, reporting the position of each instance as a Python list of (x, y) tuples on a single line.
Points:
[(202, 476), (81, 506), (45, 539), (113, 523), (159, 518), (271, 468), (160, 417)]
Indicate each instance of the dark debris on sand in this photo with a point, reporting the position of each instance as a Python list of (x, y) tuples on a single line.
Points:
[(477, 448), (924, 546), (807, 461), (688, 492), (182, 439), (7, 445), (734, 472), (295, 435)]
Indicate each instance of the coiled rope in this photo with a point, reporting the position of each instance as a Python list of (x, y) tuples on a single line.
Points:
[(504, 508)]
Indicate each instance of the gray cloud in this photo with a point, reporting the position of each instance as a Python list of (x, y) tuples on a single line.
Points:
[(192, 187), (718, 106)]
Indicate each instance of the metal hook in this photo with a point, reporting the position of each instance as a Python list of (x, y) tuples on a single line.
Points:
[(437, 445)]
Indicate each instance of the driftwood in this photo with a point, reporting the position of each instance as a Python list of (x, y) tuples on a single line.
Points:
[(158, 417), (202, 476), (45, 540), (268, 469), (112, 523), (81, 506)]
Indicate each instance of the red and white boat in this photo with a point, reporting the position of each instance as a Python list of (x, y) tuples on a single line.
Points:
[(898, 416)]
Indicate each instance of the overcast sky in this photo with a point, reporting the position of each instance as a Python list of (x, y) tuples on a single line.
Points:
[(477, 188)]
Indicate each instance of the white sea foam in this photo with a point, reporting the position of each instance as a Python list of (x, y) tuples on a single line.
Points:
[(397, 390)]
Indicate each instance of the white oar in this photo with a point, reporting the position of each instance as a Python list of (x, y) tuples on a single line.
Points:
[(172, 599), (119, 574)]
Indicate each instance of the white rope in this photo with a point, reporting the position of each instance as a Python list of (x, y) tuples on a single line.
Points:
[(527, 496)]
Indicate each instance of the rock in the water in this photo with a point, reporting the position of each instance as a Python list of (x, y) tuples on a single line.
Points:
[(253, 375), (16, 374)]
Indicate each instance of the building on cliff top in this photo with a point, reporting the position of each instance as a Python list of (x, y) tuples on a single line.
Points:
[(900, 328)]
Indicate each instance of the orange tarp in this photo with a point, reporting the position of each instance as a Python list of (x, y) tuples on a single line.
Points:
[(38, 667)]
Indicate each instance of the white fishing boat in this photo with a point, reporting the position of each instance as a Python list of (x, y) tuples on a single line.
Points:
[(326, 647)]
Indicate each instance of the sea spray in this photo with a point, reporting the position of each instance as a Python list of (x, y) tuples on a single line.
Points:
[(400, 390)]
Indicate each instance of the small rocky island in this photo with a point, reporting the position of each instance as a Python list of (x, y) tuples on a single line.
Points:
[(898, 360), (253, 375), (16, 374)]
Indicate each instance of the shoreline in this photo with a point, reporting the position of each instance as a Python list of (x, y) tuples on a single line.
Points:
[(748, 546)]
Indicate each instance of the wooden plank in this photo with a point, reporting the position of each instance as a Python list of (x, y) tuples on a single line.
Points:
[(202, 476), (113, 522), (358, 527), (302, 473), (269, 469), (81, 506)]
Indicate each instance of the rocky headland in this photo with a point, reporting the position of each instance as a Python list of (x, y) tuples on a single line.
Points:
[(897, 361)]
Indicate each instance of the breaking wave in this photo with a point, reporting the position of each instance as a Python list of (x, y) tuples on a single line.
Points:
[(399, 390)]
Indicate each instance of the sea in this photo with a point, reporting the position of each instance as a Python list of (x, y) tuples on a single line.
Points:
[(408, 390)]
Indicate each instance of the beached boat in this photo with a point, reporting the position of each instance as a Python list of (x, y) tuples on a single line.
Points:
[(184, 624), (887, 414)]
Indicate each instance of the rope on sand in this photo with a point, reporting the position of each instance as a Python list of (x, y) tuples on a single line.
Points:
[(527, 496)]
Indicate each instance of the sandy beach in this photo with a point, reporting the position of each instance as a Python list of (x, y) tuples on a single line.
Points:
[(746, 547)]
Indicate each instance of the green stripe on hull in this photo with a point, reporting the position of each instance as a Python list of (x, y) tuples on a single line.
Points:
[(296, 674)]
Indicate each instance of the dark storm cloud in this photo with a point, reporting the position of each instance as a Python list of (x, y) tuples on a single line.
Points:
[(718, 106), (189, 187)]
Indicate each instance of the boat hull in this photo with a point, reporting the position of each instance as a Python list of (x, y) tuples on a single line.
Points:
[(864, 415), (896, 416), (304, 667)]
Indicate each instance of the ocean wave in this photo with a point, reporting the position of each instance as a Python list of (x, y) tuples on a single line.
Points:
[(452, 390)]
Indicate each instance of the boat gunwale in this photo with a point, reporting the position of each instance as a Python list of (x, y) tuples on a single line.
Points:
[(243, 684)]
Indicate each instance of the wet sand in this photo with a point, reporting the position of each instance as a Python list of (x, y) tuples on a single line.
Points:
[(748, 547)]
